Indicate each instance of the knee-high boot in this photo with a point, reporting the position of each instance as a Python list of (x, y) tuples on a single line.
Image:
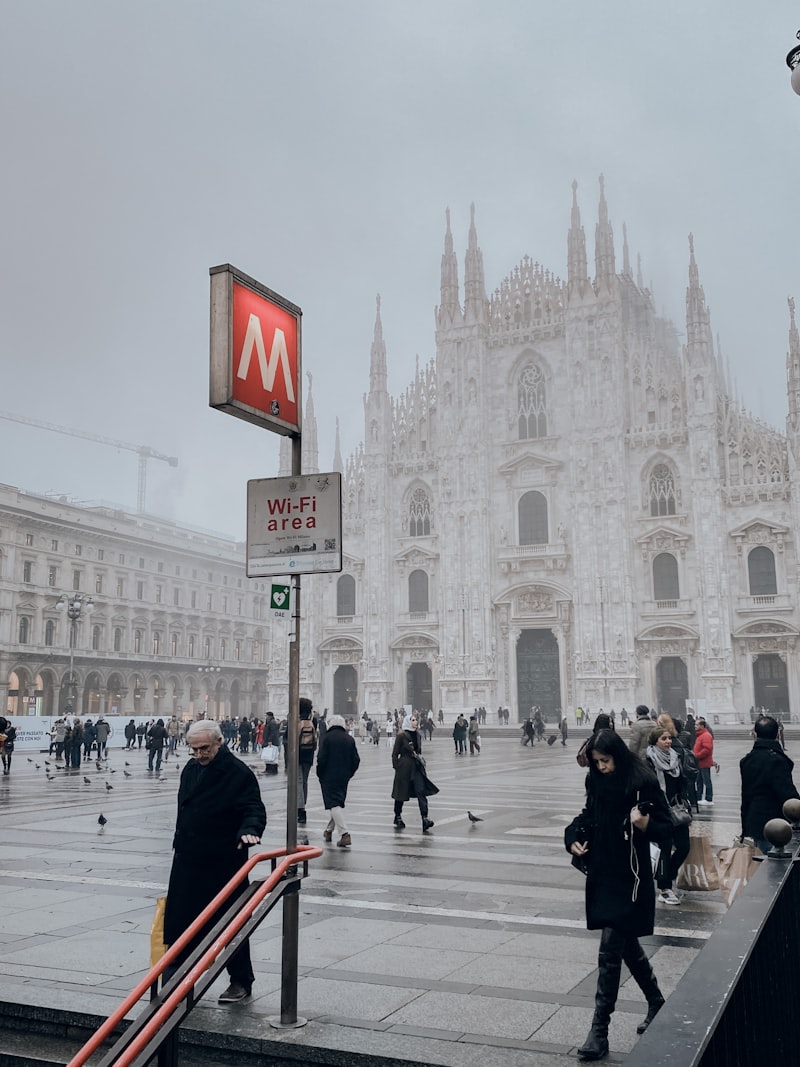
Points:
[(642, 973), (609, 964)]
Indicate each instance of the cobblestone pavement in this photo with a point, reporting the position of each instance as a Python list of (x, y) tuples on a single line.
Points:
[(465, 946)]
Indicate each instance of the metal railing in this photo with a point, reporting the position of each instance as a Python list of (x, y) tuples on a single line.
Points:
[(155, 1030), (735, 1005)]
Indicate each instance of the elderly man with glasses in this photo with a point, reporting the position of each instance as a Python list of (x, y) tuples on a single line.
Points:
[(220, 815)]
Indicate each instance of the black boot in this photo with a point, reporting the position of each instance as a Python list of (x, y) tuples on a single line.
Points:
[(609, 963), (642, 973)]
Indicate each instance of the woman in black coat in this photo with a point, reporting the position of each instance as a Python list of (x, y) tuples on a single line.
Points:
[(663, 755), (337, 762), (625, 810), (410, 779)]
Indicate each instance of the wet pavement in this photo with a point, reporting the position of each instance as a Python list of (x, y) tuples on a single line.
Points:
[(464, 946)]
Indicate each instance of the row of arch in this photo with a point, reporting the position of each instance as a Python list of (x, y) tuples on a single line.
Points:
[(761, 574)]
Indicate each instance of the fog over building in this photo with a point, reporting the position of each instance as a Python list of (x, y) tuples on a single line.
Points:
[(567, 506)]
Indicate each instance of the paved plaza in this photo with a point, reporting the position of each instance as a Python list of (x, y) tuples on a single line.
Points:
[(466, 946)]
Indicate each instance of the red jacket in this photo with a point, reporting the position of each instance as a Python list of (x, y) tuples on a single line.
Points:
[(704, 748)]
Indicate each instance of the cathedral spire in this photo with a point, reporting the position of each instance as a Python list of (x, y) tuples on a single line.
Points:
[(698, 316), (604, 262), (577, 274), (626, 257), (449, 307), (474, 287), (793, 371), (338, 465), (377, 359), (639, 278), (310, 449)]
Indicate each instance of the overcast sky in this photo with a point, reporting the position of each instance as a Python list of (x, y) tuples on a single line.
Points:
[(316, 146)]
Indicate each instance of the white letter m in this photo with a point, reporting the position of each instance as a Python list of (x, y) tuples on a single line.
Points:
[(279, 353)]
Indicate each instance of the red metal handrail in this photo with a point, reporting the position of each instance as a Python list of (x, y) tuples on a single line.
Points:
[(302, 853)]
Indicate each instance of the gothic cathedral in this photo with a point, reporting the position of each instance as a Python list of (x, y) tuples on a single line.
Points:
[(566, 507)]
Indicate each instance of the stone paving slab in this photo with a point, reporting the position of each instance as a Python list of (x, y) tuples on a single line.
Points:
[(464, 947)]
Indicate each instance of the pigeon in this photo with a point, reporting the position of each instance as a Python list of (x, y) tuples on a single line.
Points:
[(111, 770), (127, 764), (474, 818), (109, 786), (30, 760), (127, 774), (38, 766), (87, 781), (51, 777), (101, 822)]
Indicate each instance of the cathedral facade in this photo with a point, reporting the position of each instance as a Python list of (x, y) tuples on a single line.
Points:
[(565, 507)]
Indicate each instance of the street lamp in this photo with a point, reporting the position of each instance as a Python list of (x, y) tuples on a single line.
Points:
[(75, 606), (208, 669), (793, 63)]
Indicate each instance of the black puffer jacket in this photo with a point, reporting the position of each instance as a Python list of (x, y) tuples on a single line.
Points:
[(766, 785)]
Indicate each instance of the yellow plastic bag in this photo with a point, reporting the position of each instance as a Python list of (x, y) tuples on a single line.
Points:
[(157, 946)]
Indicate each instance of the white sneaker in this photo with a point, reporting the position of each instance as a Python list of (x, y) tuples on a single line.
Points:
[(668, 897)]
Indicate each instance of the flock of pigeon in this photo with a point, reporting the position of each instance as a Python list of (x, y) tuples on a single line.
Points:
[(53, 766)]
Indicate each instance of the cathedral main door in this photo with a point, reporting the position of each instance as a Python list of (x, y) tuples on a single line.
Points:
[(672, 686), (770, 688), (538, 677), (419, 687), (345, 692)]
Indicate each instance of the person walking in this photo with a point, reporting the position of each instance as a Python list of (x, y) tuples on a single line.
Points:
[(337, 762), (564, 729), (220, 815), (141, 729), (767, 784), (9, 731), (306, 747), (640, 731), (89, 734), (460, 728), (472, 735), (75, 745), (156, 739), (666, 763), (704, 754), (101, 733), (173, 733), (130, 734), (410, 779), (625, 810), (528, 732)]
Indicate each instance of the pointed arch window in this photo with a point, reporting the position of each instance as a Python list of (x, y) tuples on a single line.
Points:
[(662, 490), (346, 595), (531, 403), (761, 572), (418, 591), (419, 514), (533, 526), (665, 577)]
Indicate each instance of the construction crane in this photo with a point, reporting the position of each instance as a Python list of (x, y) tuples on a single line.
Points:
[(144, 452)]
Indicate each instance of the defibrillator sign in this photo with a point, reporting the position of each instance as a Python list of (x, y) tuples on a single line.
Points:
[(279, 600)]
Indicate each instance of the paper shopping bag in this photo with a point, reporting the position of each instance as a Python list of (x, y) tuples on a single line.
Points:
[(736, 866), (157, 946), (699, 870)]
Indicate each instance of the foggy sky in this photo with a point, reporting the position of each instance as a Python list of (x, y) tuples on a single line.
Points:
[(317, 147)]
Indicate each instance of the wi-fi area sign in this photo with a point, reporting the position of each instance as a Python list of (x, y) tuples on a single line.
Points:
[(279, 599)]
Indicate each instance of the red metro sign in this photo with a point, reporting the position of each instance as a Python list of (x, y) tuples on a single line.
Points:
[(255, 352)]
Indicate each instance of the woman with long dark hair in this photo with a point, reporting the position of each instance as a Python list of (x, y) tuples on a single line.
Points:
[(625, 810)]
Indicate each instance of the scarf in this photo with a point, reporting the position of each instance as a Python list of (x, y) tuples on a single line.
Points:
[(664, 763)]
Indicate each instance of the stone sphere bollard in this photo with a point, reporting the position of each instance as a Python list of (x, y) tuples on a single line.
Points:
[(779, 833), (791, 812)]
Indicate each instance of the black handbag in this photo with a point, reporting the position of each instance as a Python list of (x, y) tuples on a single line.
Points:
[(679, 813), (583, 832)]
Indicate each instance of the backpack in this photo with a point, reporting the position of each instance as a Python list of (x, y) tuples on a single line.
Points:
[(689, 765), (307, 736)]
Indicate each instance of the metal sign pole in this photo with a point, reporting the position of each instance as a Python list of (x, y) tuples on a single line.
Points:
[(291, 901)]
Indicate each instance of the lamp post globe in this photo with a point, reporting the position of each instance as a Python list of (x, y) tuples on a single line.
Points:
[(793, 63)]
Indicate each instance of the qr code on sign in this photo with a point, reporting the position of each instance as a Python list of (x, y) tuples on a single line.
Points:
[(330, 544)]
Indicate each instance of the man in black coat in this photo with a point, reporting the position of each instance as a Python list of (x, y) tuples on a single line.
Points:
[(767, 783), (337, 762), (220, 814)]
